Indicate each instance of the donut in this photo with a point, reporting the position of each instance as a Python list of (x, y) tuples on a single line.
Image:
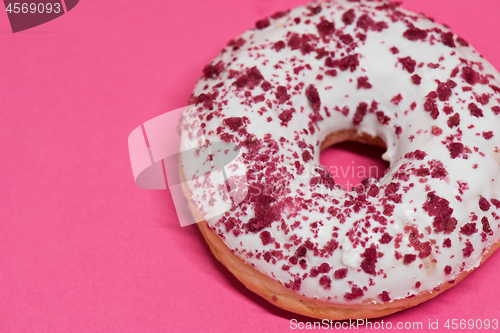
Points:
[(317, 75)]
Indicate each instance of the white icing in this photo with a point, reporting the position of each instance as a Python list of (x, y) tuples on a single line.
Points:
[(351, 256), (388, 79)]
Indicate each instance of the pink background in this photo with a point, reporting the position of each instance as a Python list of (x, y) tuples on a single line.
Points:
[(82, 248)]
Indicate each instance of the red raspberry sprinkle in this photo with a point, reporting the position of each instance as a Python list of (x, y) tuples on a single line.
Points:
[(409, 258), (340, 273)]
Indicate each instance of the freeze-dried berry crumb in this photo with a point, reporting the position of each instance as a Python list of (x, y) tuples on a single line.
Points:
[(315, 9), (462, 41), (439, 208), (265, 86), (331, 72), (417, 155), (325, 28), (361, 111), (340, 273), (350, 62), (486, 225), (266, 237), (385, 296), (356, 292), (306, 156), (484, 204), (373, 191), (325, 281), (496, 202), (385, 239), (454, 120), (394, 50), (409, 258), (415, 34), (212, 71), (431, 106), (416, 79), (236, 44), (348, 17), (456, 149), (391, 188), (422, 172), (366, 23), (294, 41), (234, 123), (281, 94), (279, 45), (475, 111), (447, 39), (254, 76), (437, 131), (468, 249), (313, 97), (363, 82), (447, 270), (266, 212), (370, 260), (408, 64), (294, 285), (382, 117), (301, 251), (488, 135), (286, 116), (470, 76), (483, 99), (443, 91), (448, 110), (324, 268), (437, 169), (264, 23), (397, 99), (468, 229), (280, 14), (346, 39)]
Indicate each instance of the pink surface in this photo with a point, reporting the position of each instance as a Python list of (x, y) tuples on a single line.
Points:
[(82, 248)]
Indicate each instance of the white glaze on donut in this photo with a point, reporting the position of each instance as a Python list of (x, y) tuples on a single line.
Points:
[(279, 89)]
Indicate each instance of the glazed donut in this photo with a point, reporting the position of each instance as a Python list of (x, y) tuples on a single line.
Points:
[(327, 72)]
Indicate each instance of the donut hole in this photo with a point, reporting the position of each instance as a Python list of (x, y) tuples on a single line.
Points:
[(351, 159)]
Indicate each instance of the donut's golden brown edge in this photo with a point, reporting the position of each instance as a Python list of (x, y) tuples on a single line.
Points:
[(274, 292)]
